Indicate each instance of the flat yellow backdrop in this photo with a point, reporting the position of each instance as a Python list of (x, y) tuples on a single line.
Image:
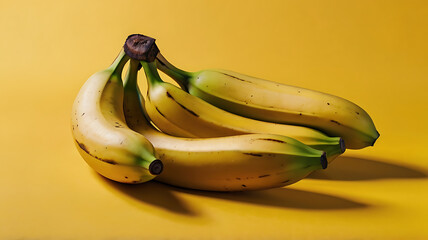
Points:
[(374, 53)]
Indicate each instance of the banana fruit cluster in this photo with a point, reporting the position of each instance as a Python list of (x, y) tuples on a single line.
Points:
[(220, 131)]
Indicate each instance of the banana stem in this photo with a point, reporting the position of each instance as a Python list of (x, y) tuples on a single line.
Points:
[(151, 72), (131, 79), (180, 76), (119, 63)]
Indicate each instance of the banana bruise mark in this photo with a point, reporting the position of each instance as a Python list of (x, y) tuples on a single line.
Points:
[(190, 111), (240, 79), (243, 185), (271, 139), (157, 109), (181, 105), (107, 161), (169, 95), (286, 181), (266, 175), (254, 154), (83, 147), (334, 121)]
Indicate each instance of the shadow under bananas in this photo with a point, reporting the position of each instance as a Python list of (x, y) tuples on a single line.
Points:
[(346, 168), (286, 198), (163, 196), (152, 193)]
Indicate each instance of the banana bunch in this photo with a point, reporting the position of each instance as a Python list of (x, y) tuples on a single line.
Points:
[(221, 131)]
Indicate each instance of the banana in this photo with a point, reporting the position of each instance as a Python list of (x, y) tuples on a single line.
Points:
[(274, 102), (234, 163), (176, 112), (100, 132)]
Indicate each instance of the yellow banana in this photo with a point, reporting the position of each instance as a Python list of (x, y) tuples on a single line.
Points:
[(274, 102), (178, 113), (100, 132), (235, 163)]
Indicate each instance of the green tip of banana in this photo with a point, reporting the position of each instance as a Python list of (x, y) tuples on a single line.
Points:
[(378, 135)]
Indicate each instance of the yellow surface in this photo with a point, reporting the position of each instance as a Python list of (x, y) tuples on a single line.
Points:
[(371, 52)]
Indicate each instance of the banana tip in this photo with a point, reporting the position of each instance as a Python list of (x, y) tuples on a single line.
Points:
[(342, 145), (324, 162), (156, 167), (378, 135)]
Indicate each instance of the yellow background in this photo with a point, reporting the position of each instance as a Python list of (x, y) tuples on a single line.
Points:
[(374, 53)]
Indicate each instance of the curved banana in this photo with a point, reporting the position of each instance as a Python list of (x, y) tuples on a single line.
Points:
[(176, 112), (101, 134), (235, 163), (274, 102)]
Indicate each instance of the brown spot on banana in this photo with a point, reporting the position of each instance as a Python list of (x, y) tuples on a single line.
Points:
[(271, 139), (240, 79), (190, 111), (107, 161), (266, 175), (169, 95), (334, 121), (85, 149), (181, 105), (254, 154), (157, 109)]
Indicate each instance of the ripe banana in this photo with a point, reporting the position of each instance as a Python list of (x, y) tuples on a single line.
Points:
[(235, 163), (101, 134), (274, 102), (176, 112)]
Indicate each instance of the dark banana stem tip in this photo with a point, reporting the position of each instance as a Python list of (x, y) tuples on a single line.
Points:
[(342, 145), (324, 162), (156, 167), (141, 47), (378, 135)]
